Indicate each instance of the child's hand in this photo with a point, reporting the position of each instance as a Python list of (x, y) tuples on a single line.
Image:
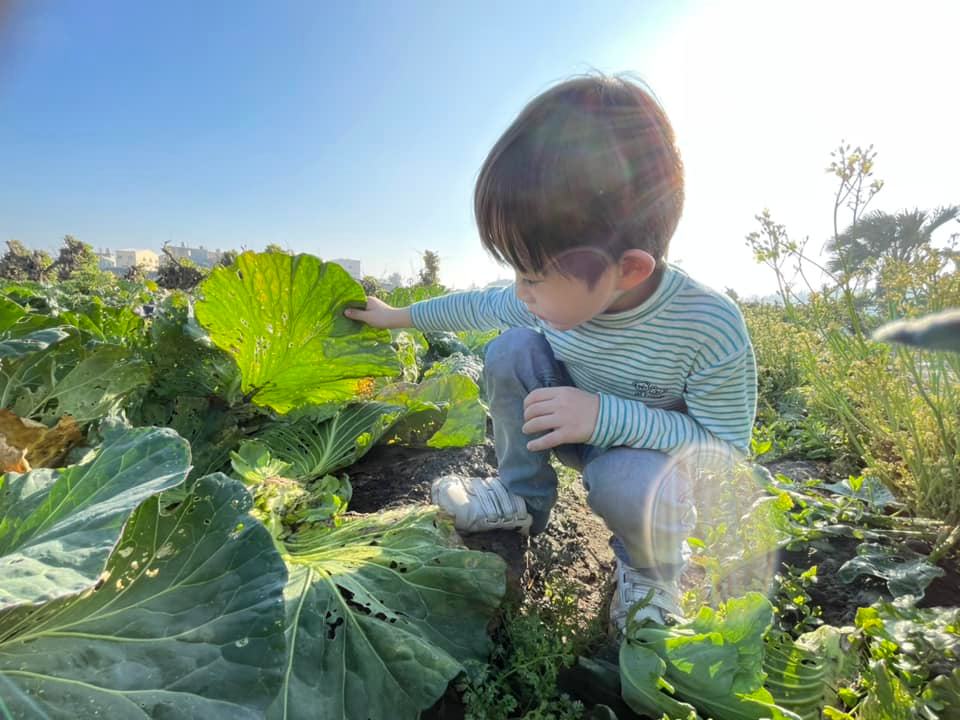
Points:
[(380, 315), (565, 414)]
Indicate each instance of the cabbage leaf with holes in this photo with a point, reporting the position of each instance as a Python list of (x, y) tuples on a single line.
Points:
[(68, 378), (57, 527), (382, 612), (281, 318), (185, 623), (116, 324), (23, 332)]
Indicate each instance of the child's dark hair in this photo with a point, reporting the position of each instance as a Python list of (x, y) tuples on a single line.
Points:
[(588, 170)]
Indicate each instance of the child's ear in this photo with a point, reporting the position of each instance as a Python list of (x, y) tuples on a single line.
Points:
[(636, 266)]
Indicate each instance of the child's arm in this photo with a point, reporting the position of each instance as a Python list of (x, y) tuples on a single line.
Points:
[(721, 403), (497, 308)]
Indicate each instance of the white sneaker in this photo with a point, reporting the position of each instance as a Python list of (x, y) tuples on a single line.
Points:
[(480, 504), (632, 587)]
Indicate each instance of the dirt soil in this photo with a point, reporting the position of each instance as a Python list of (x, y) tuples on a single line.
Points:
[(839, 600), (574, 548), (573, 552)]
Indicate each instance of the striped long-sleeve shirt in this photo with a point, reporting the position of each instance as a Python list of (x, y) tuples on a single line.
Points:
[(674, 374)]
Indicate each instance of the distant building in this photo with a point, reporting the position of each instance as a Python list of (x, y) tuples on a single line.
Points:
[(147, 259), (351, 266), (200, 255), (501, 282), (106, 259)]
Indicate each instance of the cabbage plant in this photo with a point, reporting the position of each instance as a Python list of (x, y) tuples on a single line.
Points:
[(115, 605)]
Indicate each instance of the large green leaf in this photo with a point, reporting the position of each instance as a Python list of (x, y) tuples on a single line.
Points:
[(381, 613), (466, 422), (906, 571), (97, 386), (106, 323), (69, 379), (457, 363), (643, 685), (713, 662), (23, 332), (281, 318), (186, 623), (457, 396), (27, 343), (57, 527)]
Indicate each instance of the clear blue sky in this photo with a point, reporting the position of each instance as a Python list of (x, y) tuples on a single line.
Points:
[(357, 129), (345, 129)]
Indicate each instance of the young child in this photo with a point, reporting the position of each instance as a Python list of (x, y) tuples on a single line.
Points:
[(621, 364)]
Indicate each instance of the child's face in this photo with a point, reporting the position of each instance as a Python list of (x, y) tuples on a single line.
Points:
[(564, 302)]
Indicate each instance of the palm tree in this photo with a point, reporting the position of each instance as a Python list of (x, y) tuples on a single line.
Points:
[(881, 237)]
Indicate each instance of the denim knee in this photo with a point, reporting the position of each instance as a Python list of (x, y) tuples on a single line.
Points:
[(521, 354), (503, 351), (644, 498)]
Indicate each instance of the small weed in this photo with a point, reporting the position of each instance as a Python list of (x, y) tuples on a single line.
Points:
[(531, 648), (793, 607), (566, 476)]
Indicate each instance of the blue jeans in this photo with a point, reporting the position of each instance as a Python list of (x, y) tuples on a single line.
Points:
[(643, 496)]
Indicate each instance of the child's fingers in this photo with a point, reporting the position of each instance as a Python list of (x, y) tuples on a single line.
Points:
[(538, 409), (539, 425), (541, 395), (538, 395), (357, 314), (550, 440)]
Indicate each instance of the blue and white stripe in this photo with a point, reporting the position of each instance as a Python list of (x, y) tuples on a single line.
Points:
[(673, 374)]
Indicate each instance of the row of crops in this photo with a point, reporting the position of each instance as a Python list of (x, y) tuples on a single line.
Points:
[(173, 535), (175, 540)]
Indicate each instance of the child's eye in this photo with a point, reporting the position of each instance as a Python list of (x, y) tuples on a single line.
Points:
[(528, 281)]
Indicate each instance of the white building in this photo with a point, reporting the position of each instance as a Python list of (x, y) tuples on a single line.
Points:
[(351, 266), (147, 259)]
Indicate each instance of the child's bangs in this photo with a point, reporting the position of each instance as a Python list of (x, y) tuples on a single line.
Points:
[(533, 205), (510, 225)]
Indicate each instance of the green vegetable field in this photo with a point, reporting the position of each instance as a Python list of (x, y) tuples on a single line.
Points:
[(179, 535)]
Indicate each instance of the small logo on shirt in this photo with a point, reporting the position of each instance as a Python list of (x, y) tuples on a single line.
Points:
[(648, 390)]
